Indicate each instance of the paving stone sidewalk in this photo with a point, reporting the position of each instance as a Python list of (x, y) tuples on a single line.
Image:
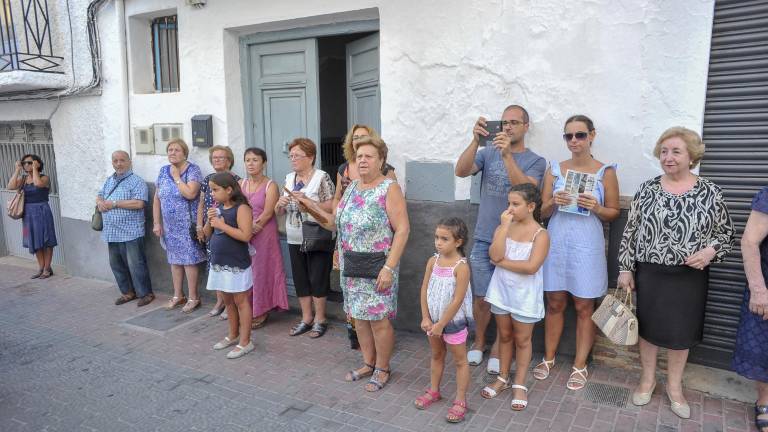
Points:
[(70, 360)]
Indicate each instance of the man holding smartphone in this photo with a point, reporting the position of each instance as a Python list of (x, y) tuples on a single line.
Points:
[(507, 162)]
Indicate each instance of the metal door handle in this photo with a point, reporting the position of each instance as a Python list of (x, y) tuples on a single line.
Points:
[(285, 147)]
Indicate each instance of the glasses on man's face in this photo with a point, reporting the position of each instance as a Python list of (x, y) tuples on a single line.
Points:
[(510, 123), (296, 157), (579, 136)]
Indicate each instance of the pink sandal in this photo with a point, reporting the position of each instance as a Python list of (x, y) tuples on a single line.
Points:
[(456, 415), (428, 398)]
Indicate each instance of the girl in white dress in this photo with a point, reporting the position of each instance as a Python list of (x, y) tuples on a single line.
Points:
[(516, 291), (446, 310)]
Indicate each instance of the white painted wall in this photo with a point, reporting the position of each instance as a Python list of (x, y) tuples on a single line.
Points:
[(635, 67)]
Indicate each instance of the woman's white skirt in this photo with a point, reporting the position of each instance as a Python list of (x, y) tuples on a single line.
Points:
[(229, 279)]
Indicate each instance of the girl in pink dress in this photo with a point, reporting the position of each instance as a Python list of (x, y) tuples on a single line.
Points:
[(266, 260)]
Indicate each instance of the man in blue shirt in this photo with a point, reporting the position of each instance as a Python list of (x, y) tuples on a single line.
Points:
[(507, 162), (121, 201)]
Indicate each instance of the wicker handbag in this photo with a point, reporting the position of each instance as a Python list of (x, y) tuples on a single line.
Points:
[(16, 205), (616, 320)]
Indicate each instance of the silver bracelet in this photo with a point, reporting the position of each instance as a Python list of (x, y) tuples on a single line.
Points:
[(389, 268)]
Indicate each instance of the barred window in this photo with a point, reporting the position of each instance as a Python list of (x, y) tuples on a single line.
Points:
[(165, 54)]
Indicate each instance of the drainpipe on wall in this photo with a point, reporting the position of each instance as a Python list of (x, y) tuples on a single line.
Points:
[(124, 76)]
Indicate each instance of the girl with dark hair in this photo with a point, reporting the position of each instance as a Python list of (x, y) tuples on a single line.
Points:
[(516, 290), (38, 230), (229, 228), (446, 310), (576, 265), (269, 291)]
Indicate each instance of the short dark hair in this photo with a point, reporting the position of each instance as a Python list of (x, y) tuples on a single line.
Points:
[(34, 158), (526, 117), (256, 152)]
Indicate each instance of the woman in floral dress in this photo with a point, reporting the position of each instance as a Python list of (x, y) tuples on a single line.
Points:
[(174, 212), (372, 223)]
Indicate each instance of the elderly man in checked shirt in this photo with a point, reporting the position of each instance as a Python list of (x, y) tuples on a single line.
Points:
[(121, 202)]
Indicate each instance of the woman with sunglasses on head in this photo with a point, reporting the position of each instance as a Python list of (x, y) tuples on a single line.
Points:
[(38, 230), (311, 259), (576, 265), (347, 172)]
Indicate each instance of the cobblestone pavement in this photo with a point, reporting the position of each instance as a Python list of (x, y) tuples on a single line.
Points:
[(70, 362)]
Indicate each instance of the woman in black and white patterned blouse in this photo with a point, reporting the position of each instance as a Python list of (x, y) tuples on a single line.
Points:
[(678, 224)]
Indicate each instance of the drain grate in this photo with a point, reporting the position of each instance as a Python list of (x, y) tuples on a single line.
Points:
[(605, 394)]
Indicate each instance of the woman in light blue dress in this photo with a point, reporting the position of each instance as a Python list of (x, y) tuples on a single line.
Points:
[(576, 264)]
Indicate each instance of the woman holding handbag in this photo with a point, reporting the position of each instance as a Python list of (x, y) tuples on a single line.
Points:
[(39, 232), (678, 224), (174, 213), (576, 265), (372, 224), (309, 245)]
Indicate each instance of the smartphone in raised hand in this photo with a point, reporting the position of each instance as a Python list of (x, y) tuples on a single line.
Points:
[(493, 127)]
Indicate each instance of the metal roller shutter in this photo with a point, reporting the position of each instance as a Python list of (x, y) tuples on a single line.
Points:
[(736, 136)]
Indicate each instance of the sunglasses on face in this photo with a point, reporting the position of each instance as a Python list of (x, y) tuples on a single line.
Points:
[(27, 162), (579, 136)]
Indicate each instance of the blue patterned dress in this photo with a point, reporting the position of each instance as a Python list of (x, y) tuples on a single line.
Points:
[(176, 212), (363, 226), (576, 261), (750, 359)]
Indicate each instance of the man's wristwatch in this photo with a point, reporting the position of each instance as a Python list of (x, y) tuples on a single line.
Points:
[(178, 181), (114, 204)]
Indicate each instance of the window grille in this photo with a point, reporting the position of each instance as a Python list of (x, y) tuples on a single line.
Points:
[(165, 54)]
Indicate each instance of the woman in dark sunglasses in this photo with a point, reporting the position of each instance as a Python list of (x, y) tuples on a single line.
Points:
[(39, 233), (576, 263)]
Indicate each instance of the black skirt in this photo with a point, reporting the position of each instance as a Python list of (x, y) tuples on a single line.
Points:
[(670, 304)]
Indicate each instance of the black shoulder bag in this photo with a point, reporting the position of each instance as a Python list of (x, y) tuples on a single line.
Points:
[(97, 221), (365, 265), (315, 238)]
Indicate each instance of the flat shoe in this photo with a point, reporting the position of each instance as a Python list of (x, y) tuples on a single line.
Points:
[(474, 357), (318, 330), (147, 299), (541, 370), (259, 324), (215, 311), (240, 351), (223, 316), (300, 329), (640, 399), (518, 404), (493, 366), (174, 302), (682, 410), (488, 392), (125, 298), (191, 305), (37, 275), (225, 343)]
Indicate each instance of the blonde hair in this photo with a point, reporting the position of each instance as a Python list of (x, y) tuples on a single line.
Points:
[(225, 149), (180, 142), (378, 144), (692, 141), (349, 151)]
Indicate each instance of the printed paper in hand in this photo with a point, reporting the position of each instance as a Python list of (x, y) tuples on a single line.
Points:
[(577, 183)]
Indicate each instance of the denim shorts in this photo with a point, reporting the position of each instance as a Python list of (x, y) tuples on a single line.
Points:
[(519, 318), (482, 269)]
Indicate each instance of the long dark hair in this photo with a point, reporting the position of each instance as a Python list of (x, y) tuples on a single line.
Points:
[(530, 194), (227, 180), (458, 229)]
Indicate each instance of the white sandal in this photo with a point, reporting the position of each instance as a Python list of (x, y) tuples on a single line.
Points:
[(541, 373), (240, 351), (578, 379), (474, 357), (493, 366), (224, 343), (489, 393), (521, 404)]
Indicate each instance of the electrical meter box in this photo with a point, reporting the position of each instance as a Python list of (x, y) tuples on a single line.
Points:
[(202, 130)]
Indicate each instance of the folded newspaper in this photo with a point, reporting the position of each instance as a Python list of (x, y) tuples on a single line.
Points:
[(576, 183)]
